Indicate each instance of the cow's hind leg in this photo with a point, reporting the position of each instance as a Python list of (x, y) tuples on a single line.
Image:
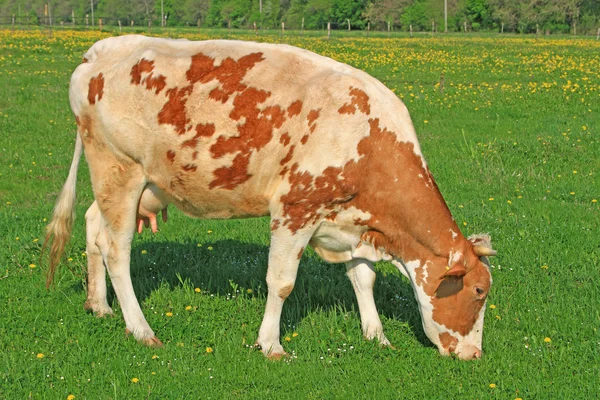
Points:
[(284, 258), (362, 276), (96, 279), (117, 188)]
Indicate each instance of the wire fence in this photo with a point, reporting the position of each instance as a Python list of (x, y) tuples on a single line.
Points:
[(147, 23)]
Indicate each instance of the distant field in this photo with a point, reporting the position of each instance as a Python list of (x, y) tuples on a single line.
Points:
[(510, 128)]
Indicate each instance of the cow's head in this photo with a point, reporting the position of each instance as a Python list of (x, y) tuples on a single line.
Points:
[(451, 294)]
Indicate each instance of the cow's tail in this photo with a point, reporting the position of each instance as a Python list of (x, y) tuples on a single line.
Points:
[(58, 231)]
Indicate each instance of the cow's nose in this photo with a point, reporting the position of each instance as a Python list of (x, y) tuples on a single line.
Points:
[(477, 355)]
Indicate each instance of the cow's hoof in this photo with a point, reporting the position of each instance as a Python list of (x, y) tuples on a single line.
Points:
[(277, 356), (152, 342), (273, 352), (99, 310)]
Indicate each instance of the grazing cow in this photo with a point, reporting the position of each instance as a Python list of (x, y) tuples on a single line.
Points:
[(231, 129)]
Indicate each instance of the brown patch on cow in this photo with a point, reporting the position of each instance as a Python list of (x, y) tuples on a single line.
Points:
[(189, 167), (96, 88), (284, 171), (294, 109), (194, 155), (288, 156), (230, 177), (360, 101), (254, 134), (171, 156), (448, 342), (285, 291), (274, 225), (285, 139), (300, 253), (229, 73), (304, 139), (173, 111), (84, 60), (312, 117), (157, 83), (202, 130)]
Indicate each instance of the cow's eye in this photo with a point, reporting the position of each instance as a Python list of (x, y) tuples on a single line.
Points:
[(479, 291)]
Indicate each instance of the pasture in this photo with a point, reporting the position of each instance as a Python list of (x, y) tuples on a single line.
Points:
[(510, 129)]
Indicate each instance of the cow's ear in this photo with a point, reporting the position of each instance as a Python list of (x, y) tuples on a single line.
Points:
[(448, 286)]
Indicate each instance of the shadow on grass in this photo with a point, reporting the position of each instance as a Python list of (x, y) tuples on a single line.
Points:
[(213, 267)]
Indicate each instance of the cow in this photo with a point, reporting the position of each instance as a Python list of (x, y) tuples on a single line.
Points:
[(235, 129)]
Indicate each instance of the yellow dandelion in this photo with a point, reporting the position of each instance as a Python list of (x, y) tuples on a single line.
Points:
[(135, 380), (209, 231), (574, 171), (71, 397), (509, 202), (492, 385), (518, 398), (210, 248), (547, 340), (465, 223), (197, 290), (426, 121), (32, 266), (544, 267), (209, 350), (8, 203), (36, 240), (498, 317), (188, 308), (17, 238), (40, 355), (169, 314), (288, 339), (594, 200), (294, 334), (154, 357), (144, 251), (492, 306), (571, 193), (199, 245), (249, 291)]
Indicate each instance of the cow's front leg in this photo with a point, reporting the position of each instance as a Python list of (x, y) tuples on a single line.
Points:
[(284, 257), (96, 279), (362, 276)]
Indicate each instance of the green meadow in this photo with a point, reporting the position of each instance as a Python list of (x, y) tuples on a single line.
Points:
[(510, 128)]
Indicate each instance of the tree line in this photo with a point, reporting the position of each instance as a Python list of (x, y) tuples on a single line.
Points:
[(520, 16)]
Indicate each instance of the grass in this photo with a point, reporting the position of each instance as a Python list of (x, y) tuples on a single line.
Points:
[(509, 127)]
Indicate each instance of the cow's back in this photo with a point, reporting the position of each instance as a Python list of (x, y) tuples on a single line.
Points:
[(223, 126)]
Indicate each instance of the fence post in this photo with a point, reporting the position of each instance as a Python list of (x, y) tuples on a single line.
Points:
[(389, 27), (119, 21), (465, 26), (198, 24), (302, 25), (73, 18), (368, 28), (348, 24), (255, 30), (13, 21), (502, 30), (537, 29), (282, 28), (575, 28), (432, 27), (410, 27), (328, 30), (132, 23), (87, 20), (598, 35), (100, 24)]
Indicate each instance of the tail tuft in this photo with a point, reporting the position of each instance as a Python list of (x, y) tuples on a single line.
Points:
[(59, 229)]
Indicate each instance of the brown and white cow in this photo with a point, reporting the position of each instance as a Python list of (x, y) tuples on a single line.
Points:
[(231, 129)]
